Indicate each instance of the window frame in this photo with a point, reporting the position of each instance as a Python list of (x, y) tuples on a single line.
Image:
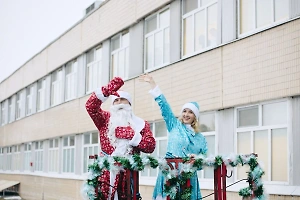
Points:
[(210, 133), (19, 105), (117, 51), (87, 146), (192, 13), (41, 95), (39, 156), (65, 161), (269, 129), (255, 29), (92, 84), (17, 165), (150, 180), (31, 102), (52, 151), (57, 88), (9, 158), (4, 112), (70, 88), (2, 159), (27, 157), (10, 112), (152, 33)]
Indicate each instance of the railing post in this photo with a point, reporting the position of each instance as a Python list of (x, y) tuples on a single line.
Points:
[(132, 178), (224, 173), (217, 183), (136, 185), (220, 182)]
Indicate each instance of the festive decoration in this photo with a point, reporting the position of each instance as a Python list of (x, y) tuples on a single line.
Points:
[(177, 177)]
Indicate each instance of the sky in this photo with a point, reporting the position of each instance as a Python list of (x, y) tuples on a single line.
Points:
[(28, 26)]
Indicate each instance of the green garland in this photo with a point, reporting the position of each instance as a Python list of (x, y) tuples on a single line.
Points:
[(176, 179)]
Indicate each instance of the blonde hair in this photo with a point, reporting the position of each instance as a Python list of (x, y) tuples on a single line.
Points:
[(195, 124)]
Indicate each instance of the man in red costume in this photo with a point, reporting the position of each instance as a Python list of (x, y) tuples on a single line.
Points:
[(121, 133)]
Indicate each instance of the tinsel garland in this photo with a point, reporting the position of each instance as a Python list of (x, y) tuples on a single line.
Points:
[(175, 178)]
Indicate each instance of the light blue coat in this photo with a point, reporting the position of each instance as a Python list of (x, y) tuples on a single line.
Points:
[(182, 141)]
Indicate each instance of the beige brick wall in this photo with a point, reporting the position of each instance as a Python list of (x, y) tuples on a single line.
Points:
[(64, 119), (96, 28), (261, 67), (65, 48), (143, 7), (37, 187), (35, 68), (12, 85), (89, 32), (239, 73), (264, 66)]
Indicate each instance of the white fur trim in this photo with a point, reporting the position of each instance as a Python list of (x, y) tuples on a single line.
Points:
[(139, 124), (100, 95), (155, 92), (122, 94), (135, 141)]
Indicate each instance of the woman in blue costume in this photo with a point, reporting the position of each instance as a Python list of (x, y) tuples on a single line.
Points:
[(184, 138)]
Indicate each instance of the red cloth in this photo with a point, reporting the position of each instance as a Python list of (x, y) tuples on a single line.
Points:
[(101, 120), (112, 87), (124, 132)]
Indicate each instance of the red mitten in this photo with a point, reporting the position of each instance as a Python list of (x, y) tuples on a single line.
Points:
[(123, 132), (112, 87)]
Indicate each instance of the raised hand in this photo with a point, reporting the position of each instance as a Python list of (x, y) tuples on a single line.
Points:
[(112, 87), (147, 78)]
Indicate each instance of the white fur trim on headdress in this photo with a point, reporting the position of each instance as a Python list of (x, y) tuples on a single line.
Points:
[(193, 108), (122, 94)]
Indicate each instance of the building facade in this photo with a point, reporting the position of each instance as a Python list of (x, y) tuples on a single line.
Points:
[(239, 59)]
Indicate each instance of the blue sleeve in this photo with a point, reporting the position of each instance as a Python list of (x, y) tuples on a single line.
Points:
[(166, 112), (203, 149)]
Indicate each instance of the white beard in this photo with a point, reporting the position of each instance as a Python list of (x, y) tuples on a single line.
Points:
[(121, 115)]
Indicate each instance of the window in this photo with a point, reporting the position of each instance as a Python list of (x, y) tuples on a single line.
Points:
[(41, 94), (39, 151), (16, 165), (9, 158), (160, 132), (10, 110), (27, 156), (3, 113), (1, 159), (29, 99), (207, 128), (56, 87), (256, 14), (71, 80), (262, 129), (199, 25), (120, 55), (53, 155), (157, 40), (19, 105), (68, 154), (94, 69), (90, 147)]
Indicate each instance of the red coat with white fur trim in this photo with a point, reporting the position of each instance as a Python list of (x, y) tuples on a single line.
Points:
[(101, 120)]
